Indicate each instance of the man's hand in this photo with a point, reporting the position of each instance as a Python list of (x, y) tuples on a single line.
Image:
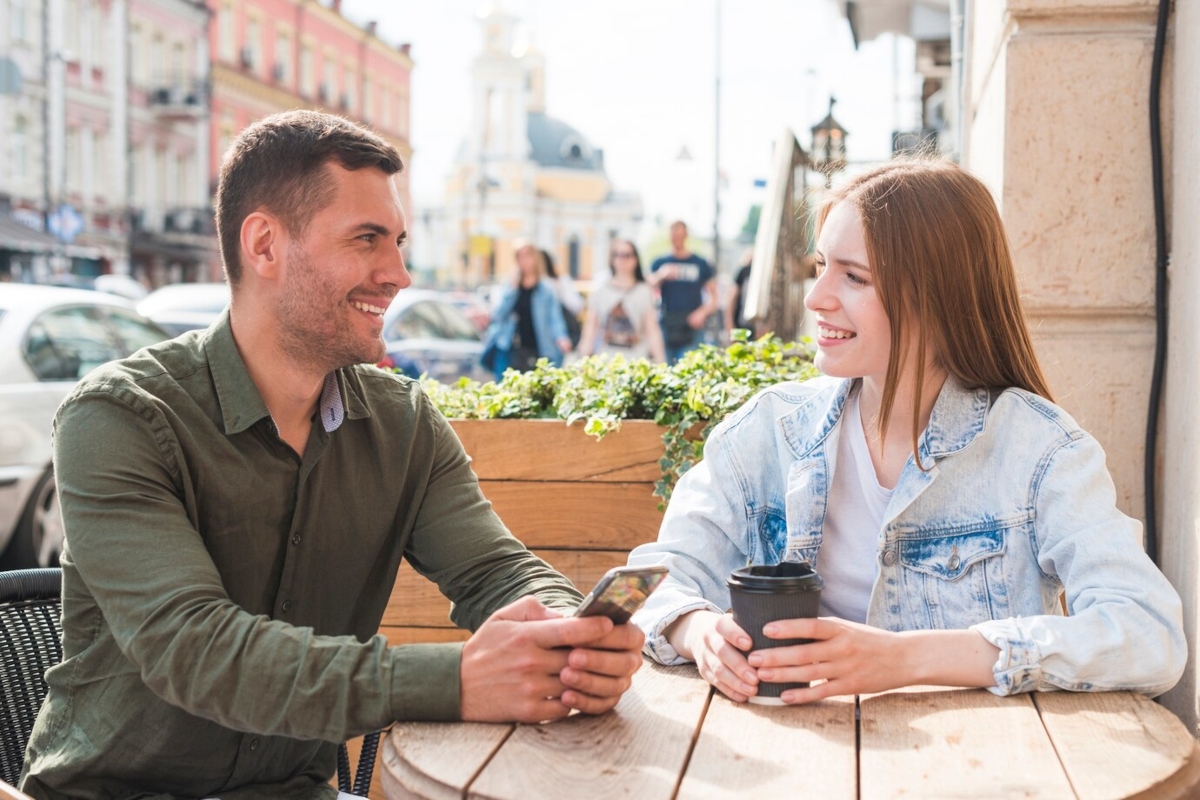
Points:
[(511, 666), (698, 317), (852, 659), (716, 644), (598, 673)]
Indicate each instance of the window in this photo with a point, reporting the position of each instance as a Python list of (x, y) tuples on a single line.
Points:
[(158, 62), (283, 58), (67, 343), (350, 101), (74, 160), (20, 149), (71, 32), (250, 52), (179, 66), (20, 20), (328, 83), (367, 110), (225, 33), (306, 72), (573, 256)]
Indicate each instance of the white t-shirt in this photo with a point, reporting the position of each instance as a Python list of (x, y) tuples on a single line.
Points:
[(853, 522)]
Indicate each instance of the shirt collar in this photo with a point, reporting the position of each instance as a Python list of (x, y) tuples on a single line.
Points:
[(958, 417), (241, 404)]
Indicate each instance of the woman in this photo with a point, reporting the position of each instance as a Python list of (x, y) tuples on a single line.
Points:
[(948, 503), (528, 322), (621, 315), (568, 297)]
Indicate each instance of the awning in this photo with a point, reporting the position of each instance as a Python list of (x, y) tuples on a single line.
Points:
[(15, 236), (23, 239)]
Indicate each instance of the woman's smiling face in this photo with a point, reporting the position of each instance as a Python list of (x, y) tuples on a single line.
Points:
[(854, 339)]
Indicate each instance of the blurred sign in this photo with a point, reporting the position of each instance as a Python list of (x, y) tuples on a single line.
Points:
[(480, 246), (65, 223), (10, 77)]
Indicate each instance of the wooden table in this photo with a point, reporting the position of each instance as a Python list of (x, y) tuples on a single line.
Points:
[(671, 736)]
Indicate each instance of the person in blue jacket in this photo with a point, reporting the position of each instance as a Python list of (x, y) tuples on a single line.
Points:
[(528, 322)]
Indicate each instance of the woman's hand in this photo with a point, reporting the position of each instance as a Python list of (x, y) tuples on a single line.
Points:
[(564, 345), (852, 659), (716, 644)]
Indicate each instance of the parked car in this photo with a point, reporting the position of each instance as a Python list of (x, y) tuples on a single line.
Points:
[(425, 334), (181, 307), (50, 337)]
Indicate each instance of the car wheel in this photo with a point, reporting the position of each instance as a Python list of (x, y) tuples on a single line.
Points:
[(38, 540)]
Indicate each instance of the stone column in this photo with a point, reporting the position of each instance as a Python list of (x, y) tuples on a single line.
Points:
[(1180, 471), (1057, 123)]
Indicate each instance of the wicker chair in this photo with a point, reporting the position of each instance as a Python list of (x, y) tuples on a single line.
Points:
[(30, 643)]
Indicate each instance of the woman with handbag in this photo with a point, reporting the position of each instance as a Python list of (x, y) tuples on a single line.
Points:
[(621, 317), (528, 322)]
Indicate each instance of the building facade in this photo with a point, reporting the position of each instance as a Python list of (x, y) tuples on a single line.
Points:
[(524, 175), (276, 55), (93, 155)]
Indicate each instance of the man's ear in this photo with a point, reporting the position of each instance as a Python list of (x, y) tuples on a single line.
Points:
[(263, 241)]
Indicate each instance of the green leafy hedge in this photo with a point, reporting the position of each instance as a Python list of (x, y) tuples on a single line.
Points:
[(686, 399)]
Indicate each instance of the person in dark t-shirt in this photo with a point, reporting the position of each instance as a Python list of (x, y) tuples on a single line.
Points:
[(688, 290)]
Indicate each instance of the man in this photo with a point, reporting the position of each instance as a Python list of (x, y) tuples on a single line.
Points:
[(688, 287), (237, 502)]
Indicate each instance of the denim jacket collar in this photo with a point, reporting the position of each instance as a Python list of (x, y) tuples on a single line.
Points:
[(958, 417)]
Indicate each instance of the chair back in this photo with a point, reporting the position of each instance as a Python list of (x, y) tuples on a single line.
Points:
[(30, 643)]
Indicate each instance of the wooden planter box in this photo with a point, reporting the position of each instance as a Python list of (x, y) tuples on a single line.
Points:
[(580, 504)]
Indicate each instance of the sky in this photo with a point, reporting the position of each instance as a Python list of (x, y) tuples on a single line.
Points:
[(637, 78)]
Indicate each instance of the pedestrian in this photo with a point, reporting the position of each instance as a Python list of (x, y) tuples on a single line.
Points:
[(688, 290), (528, 321), (621, 316), (735, 314), (237, 502), (948, 503), (569, 298)]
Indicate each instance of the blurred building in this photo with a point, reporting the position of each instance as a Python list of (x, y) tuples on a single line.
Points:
[(100, 142), (276, 55), (522, 174)]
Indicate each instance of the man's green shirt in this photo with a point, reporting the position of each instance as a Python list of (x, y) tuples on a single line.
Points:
[(221, 594)]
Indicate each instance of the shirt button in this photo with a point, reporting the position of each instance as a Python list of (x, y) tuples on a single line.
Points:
[(953, 562), (296, 538), (254, 744), (287, 604), (889, 557)]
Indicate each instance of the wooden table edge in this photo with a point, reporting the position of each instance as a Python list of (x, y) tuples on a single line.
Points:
[(1184, 783)]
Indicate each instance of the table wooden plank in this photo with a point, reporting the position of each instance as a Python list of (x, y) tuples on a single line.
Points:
[(1114, 744), (757, 751), (436, 759), (637, 750), (929, 742)]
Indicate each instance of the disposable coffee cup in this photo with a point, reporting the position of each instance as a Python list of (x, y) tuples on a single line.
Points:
[(766, 593)]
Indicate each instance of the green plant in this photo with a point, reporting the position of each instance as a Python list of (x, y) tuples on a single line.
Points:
[(687, 399)]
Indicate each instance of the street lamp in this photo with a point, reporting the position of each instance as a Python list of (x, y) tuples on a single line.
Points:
[(829, 146)]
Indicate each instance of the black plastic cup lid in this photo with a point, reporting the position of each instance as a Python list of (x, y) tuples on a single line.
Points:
[(790, 576)]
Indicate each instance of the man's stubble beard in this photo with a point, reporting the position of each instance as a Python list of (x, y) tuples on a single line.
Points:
[(309, 330)]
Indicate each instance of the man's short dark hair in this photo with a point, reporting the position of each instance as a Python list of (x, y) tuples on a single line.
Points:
[(278, 164)]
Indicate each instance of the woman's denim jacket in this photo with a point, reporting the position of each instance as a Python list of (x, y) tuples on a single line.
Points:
[(548, 322), (1015, 507)]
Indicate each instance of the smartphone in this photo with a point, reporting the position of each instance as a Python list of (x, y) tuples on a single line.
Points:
[(620, 592)]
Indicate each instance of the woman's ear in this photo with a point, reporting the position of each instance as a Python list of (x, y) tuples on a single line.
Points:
[(262, 242)]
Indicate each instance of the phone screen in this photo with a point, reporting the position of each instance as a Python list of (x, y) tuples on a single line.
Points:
[(621, 592)]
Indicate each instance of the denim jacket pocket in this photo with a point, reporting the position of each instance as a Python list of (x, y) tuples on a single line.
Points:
[(954, 578), (805, 509)]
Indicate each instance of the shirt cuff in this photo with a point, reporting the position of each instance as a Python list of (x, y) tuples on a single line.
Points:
[(657, 646), (425, 682), (1019, 667)]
